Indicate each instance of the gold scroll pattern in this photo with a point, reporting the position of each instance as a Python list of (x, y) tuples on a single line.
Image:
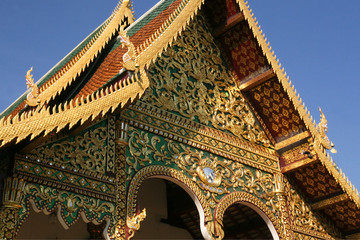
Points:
[(47, 199), (120, 209), (304, 218), (233, 175), (148, 149), (87, 151), (190, 79)]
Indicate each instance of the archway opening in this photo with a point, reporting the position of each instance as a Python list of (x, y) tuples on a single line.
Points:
[(242, 222), (171, 212)]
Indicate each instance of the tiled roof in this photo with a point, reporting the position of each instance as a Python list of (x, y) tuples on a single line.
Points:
[(138, 33)]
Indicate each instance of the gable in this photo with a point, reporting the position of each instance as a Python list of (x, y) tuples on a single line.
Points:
[(192, 80)]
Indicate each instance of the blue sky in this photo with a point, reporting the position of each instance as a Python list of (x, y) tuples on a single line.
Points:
[(317, 43)]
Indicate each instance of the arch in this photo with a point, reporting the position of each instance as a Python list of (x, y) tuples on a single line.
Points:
[(252, 202), (178, 178)]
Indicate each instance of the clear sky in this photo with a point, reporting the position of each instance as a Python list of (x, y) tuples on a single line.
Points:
[(316, 41)]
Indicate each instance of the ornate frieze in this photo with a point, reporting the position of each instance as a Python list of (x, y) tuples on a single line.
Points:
[(42, 172), (215, 175), (49, 199), (85, 151), (200, 137), (196, 84)]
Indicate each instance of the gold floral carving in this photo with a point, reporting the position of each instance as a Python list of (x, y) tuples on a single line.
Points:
[(9, 219), (111, 148), (13, 193), (283, 206), (47, 199), (303, 217), (223, 176), (120, 181), (85, 151), (145, 149), (305, 236), (177, 128), (238, 197), (191, 79)]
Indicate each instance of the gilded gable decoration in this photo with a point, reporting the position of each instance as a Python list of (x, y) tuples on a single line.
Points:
[(196, 84)]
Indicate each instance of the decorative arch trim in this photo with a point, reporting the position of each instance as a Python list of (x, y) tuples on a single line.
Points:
[(252, 202), (68, 206), (175, 176)]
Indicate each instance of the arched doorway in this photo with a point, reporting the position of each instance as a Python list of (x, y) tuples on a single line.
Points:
[(171, 212), (242, 222), (244, 216)]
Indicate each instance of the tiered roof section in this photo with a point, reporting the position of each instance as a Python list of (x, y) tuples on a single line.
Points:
[(91, 81)]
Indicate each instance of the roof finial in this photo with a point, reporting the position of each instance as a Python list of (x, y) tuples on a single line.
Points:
[(31, 98), (129, 58), (323, 129)]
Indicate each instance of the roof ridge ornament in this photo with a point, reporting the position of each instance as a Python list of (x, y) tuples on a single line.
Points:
[(323, 129), (129, 58), (32, 97)]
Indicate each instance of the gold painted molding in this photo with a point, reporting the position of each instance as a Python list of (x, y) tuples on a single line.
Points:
[(292, 140), (330, 201)]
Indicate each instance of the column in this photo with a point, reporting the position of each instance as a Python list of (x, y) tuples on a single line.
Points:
[(120, 180), (282, 207), (9, 210)]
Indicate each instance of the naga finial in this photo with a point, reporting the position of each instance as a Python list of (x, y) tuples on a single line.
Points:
[(31, 98), (323, 129), (133, 223), (129, 58)]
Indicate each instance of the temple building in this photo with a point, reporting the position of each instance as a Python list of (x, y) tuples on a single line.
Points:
[(179, 125)]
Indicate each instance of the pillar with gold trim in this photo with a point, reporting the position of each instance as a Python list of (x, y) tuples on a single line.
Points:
[(10, 206), (282, 206), (120, 180)]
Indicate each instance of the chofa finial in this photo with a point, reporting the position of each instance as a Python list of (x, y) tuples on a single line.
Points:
[(323, 129), (32, 97)]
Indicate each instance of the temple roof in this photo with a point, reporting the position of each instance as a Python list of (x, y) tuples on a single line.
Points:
[(99, 84)]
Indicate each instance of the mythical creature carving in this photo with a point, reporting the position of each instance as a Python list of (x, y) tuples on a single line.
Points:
[(129, 58), (32, 97), (323, 129), (133, 223)]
